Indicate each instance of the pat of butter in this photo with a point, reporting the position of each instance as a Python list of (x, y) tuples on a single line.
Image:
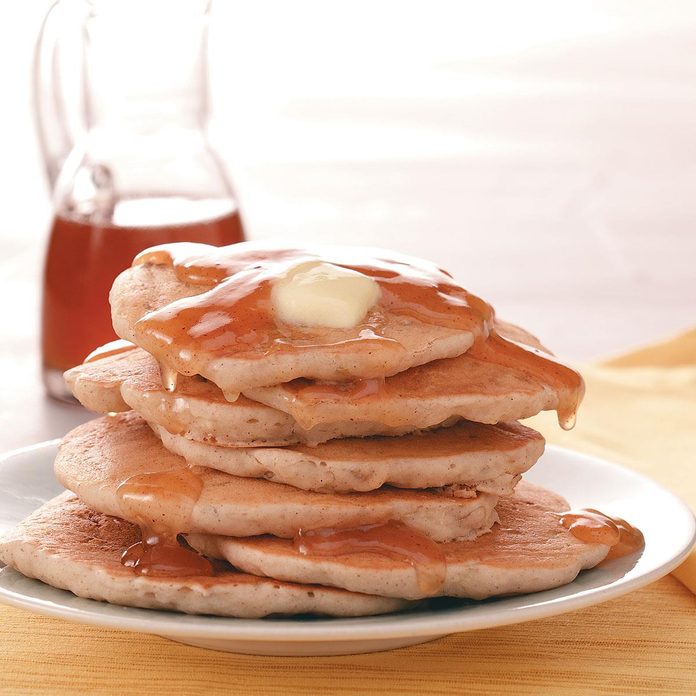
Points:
[(315, 293)]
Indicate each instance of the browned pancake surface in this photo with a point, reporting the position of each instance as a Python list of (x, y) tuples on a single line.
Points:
[(422, 397), (488, 458), (527, 551), (197, 409), (97, 457), (328, 354), (69, 546)]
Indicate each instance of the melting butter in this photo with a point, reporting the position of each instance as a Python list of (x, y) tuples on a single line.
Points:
[(316, 293)]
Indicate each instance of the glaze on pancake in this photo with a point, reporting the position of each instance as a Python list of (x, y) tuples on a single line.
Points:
[(422, 397), (487, 458), (69, 546), (529, 550), (99, 458), (203, 310)]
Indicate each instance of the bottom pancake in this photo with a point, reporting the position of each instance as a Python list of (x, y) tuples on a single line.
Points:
[(69, 546), (527, 551)]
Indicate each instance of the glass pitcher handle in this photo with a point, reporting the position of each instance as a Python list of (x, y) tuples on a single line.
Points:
[(57, 125)]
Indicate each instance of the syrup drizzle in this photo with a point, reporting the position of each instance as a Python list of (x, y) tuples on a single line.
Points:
[(159, 556), (392, 539), (169, 376), (161, 503), (541, 366), (233, 316), (594, 527)]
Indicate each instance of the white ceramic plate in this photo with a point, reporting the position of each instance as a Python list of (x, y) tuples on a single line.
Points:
[(26, 481)]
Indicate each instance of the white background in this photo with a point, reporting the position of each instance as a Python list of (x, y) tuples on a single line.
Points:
[(545, 152)]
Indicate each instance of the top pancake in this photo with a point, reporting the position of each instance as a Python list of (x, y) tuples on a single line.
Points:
[(162, 292)]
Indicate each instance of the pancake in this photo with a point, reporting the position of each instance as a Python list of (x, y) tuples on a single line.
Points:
[(487, 458), (164, 289), (97, 385), (429, 396), (507, 377), (121, 450), (422, 397), (69, 546), (197, 409), (529, 550)]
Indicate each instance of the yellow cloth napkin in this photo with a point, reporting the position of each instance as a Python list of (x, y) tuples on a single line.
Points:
[(640, 410)]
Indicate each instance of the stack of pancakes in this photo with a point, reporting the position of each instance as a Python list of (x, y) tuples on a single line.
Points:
[(249, 467)]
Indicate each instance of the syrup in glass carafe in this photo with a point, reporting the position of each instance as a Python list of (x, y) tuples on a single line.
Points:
[(126, 153)]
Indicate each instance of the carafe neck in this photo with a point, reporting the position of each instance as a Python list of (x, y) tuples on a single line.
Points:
[(146, 65)]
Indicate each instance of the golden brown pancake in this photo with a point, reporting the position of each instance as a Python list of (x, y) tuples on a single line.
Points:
[(67, 545), (196, 417), (416, 399), (422, 397), (97, 384), (96, 458), (509, 376), (527, 551), (488, 458), (197, 409), (329, 354)]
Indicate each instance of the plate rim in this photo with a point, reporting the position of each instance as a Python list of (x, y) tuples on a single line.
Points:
[(380, 627)]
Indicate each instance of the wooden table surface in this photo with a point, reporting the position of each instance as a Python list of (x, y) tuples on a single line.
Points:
[(579, 653)]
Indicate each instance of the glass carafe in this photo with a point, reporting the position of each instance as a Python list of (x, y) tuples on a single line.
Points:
[(122, 106)]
